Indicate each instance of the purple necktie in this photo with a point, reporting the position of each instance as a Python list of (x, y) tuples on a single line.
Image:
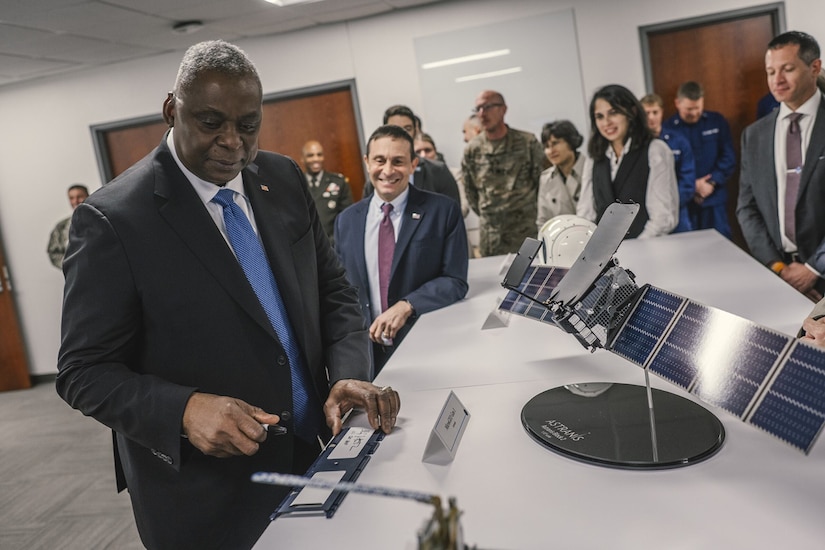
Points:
[(386, 248), (793, 156)]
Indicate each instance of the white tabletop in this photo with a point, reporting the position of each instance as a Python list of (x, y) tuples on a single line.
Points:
[(755, 493)]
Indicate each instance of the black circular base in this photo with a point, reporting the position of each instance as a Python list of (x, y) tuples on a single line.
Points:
[(610, 425)]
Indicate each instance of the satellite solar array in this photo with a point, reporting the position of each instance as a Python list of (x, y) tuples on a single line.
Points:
[(764, 377)]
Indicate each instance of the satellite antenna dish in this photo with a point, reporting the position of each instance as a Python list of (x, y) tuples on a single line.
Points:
[(564, 238)]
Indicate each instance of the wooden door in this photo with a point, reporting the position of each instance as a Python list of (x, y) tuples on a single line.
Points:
[(326, 114), (726, 54), (14, 365)]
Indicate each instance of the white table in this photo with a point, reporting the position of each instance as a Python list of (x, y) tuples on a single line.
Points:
[(755, 493)]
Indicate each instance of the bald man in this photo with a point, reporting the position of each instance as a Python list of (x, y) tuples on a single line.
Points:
[(501, 170), (330, 191)]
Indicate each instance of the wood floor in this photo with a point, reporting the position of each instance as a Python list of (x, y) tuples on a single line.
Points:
[(57, 483)]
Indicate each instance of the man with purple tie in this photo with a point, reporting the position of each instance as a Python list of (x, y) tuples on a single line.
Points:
[(782, 181), (404, 248)]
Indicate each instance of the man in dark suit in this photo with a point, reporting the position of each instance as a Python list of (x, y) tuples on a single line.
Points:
[(165, 340), (426, 265), (430, 175), (329, 190), (782, 180)]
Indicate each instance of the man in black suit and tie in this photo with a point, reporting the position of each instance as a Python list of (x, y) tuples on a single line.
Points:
[(404, 248), (782, 179), (430, 175), (206, 319)]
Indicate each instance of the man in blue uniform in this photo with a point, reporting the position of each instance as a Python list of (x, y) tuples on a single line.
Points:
[(682, 158), (709, 135)]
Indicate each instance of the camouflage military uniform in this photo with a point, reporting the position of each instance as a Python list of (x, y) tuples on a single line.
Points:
[(332, 195), (58, 241), (501, 180)]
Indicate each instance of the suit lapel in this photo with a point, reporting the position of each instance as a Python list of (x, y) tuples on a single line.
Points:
[(413, 214), (816, 148), (269, 218), (183, 210), (765, 168)]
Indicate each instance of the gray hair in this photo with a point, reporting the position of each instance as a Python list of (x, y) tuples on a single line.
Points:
[(214, 55)]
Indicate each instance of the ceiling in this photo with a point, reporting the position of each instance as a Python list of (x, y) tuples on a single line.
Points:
[(41, 38)]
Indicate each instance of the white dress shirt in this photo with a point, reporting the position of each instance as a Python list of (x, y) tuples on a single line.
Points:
[(374, 217), (207, 191), (661, 196), (780, 138)]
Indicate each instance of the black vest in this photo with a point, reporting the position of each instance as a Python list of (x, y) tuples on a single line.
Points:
[(630, 185)]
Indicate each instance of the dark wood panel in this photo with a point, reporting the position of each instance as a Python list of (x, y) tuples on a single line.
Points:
[(728, 58), (126, 146), (327, 117), (14, 364)]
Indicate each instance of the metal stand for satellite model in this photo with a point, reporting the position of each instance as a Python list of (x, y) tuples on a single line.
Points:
[(618, 425)]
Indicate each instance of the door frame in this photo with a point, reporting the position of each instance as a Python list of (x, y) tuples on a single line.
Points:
[(776, 10), (100, 131)]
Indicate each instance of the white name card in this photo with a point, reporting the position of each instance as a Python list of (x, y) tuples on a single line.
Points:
[(447, 432), (496, 318)]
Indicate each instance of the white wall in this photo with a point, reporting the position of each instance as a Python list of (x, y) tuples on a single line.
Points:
[(47, 144)]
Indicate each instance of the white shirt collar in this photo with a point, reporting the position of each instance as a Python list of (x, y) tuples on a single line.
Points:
[(809, 108), (398, 205)]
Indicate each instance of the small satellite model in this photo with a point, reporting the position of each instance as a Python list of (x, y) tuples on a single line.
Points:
[(768, 379)]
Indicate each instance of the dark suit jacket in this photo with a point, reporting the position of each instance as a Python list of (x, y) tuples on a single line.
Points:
[(430, 175), (156, 307), (429, 265), (757, 208)]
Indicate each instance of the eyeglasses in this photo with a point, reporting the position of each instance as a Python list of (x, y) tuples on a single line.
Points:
[(486, 107)]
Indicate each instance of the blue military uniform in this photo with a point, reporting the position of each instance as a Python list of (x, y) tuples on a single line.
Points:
[(712, 147), (685, 175)]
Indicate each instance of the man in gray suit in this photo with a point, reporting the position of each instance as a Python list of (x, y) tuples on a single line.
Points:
[(782, 180)]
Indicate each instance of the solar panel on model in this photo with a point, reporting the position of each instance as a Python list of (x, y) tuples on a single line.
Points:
[(764, 377), (538, 283), (793, 408)]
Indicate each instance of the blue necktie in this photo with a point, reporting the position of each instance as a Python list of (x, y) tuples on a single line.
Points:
[(251, 256)]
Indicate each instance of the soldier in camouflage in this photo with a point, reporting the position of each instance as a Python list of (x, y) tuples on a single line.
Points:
[(59, 237), (501, 170)]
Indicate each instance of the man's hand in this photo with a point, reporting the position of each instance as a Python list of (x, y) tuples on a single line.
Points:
[(382, 404), (224, 426), (799, 277), (814, 331), (704, 188), (390, 322)]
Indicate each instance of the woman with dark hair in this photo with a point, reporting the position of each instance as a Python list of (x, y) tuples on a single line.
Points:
[(627, 164), (560, 185)]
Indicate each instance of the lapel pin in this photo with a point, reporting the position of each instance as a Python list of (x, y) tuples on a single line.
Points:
[(264, 187), (416, 216)]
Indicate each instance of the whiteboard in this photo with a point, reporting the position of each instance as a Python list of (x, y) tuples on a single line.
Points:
[(539, 76)]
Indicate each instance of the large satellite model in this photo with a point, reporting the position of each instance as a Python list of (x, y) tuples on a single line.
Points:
[(768, 379)]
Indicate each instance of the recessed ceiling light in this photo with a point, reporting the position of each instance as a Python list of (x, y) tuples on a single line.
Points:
[(465, 59), (187, 27), (283, 3)]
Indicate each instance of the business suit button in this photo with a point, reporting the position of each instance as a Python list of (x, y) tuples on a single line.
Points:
[(282, 360), (285, 416)]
